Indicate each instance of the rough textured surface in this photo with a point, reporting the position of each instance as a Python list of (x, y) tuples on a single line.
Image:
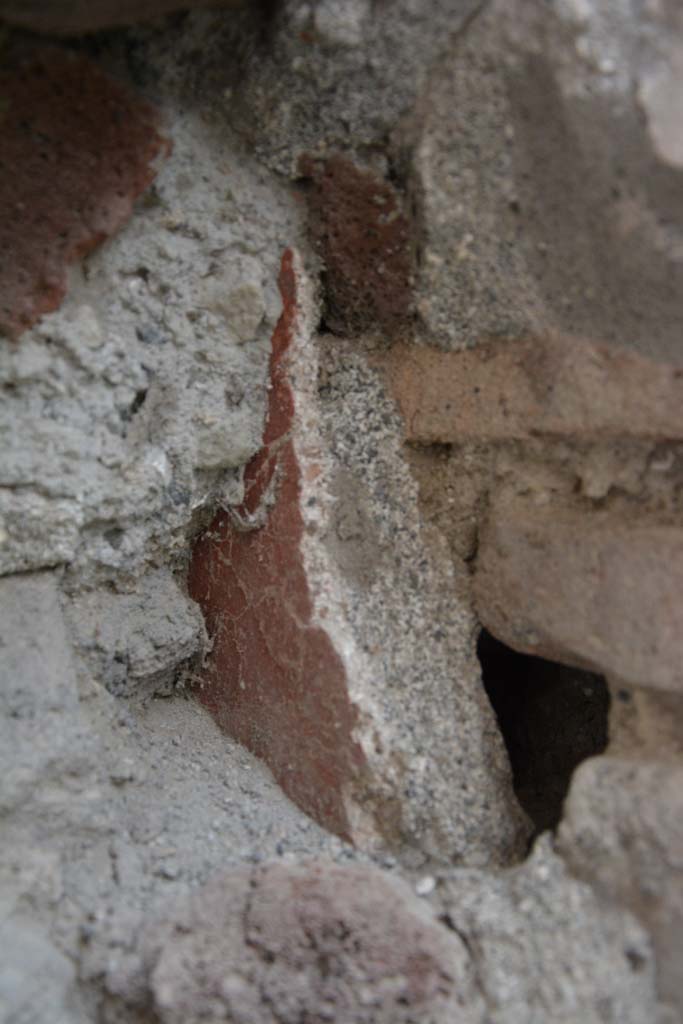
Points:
[(545, 949), (315, 942), (552, 386), (77, 150), (304, 586), (137, 643), (542, 201), (134, 406), (532, 152), (361, 57), (110, 812), (333, 943), (359, 226), (586, 591), (38, 690), (623, 832), (275, 679), (27, 956)]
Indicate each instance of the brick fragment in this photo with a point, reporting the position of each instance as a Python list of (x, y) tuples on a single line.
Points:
[(358, 223), (552, 386), (280, 944), (77, 150)]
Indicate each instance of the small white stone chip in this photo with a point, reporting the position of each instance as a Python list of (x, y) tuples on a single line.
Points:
[(425, 885)]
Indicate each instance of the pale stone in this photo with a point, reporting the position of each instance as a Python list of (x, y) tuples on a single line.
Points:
[(623, 832), (585, 590), (534, 931)]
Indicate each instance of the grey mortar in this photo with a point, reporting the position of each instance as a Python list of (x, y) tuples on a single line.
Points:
[(111, 809), (405, 600), (136, 405)]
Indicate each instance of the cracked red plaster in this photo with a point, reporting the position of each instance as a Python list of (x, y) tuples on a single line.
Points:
[(274, 680)]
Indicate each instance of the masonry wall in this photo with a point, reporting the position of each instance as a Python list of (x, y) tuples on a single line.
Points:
[(340, 511)]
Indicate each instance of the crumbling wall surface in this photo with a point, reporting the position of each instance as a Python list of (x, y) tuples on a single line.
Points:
[(341, 76), (622, 832), (282, 943), (528, 928), (549, 196), (141, 398), (110, 811), (484, 949), (127, 416), (333, 332), (333, 616)]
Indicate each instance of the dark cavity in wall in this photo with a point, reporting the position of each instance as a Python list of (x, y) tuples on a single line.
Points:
[(551, 716)]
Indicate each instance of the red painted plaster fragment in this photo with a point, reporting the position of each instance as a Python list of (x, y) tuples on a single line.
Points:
[(274, 680), (76, 150)]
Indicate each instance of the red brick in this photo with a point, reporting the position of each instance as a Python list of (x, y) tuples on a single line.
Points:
[(77, 150), (552, 386), (359, 226)]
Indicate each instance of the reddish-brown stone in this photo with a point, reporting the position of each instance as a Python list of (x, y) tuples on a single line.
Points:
[(308, 942), (359, 226), (77, 149), (273, 679)]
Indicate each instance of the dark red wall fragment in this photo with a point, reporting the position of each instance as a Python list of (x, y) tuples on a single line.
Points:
[(76, 149), (273, 680), (359, 226)]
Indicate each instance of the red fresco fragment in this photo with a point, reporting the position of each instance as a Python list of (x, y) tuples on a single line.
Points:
[(76, 150), (273, 680)]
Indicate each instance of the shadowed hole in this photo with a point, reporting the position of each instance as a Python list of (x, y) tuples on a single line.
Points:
[(551, 716)]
